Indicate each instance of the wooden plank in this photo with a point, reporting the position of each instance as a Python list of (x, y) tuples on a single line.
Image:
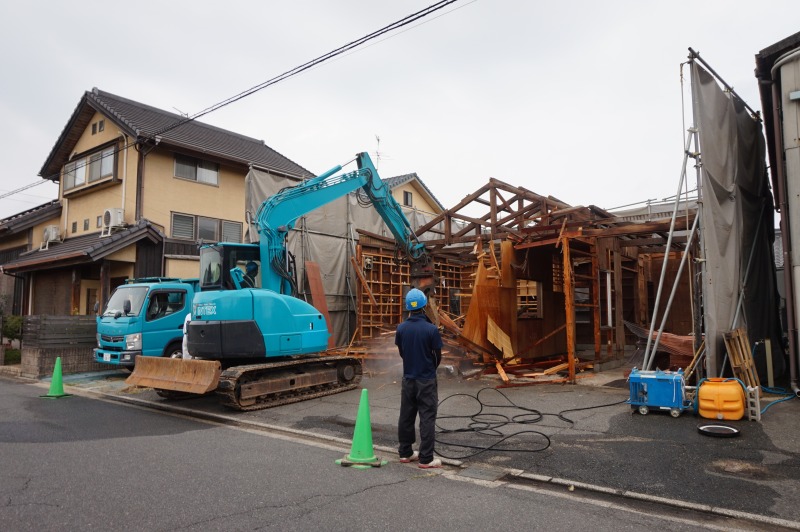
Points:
[(318, 298), (556, 369), (363, 281), (499, 338), (501, 372)]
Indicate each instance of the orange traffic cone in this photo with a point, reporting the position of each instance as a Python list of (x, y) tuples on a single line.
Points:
[(362, 455), (56, 385)]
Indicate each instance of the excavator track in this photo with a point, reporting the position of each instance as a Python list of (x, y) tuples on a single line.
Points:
[(258, 386)]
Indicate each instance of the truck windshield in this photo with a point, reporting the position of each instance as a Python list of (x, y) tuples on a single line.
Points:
[(134, 294)]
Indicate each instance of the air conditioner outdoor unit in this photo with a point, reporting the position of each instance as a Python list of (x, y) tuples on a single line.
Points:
[(50, 234), (113, 217)]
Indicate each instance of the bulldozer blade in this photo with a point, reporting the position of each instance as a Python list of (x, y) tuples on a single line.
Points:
[(177, 374)]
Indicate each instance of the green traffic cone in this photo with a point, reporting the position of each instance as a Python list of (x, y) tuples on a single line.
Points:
[(56, 386), (362, 455)]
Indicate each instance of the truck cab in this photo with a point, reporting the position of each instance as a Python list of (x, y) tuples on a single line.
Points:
[(144, 317)]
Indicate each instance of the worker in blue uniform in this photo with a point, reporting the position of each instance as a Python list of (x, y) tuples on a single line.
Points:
[(420, 346)]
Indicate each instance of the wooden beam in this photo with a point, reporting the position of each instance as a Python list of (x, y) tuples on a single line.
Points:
[(658, 241), (476, 221), (638, 229), (569, 299), (463, 203), (363, 281)]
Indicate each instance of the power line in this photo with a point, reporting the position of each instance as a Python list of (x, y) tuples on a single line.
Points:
[(314, 62), (20, 189), (252, 90)]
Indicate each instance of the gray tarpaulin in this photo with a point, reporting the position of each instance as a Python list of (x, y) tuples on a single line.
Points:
[(326, 236), (737, 220)]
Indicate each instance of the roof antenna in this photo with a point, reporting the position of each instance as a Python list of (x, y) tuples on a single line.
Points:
[(378, 153), (185, 115)]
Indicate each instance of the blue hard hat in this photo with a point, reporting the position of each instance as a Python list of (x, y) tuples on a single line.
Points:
[(415, 299), (251, 267)]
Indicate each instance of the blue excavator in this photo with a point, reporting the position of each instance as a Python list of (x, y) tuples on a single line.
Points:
[(251, 338)]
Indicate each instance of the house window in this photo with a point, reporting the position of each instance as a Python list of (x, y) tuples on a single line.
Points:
[(100, 163), (407, 198), (99, 222), (75, 174), (182, 226), (86, 224), (101, 125), (74, 227), (94, 128), (189, 227), (207, 229), (231, 231), (196, 170)]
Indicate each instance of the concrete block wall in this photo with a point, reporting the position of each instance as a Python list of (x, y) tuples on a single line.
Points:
[(39, 362)]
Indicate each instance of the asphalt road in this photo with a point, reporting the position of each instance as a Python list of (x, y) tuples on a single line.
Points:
[(80, 463)]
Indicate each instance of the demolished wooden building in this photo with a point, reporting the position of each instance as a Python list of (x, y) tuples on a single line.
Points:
[(531, 287)]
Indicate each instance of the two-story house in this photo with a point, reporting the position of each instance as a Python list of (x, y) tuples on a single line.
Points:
[(139, 188)]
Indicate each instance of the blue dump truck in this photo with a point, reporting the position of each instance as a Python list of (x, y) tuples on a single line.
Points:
[(144, 317)]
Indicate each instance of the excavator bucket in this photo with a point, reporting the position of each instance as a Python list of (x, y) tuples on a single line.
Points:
[(176, 374)]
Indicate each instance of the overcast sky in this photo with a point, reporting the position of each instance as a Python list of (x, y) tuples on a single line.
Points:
[(576, 99)]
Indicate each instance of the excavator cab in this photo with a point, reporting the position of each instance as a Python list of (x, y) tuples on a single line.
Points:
[(218, 263)]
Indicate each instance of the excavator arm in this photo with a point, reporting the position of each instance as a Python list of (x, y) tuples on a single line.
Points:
[(279, 213)]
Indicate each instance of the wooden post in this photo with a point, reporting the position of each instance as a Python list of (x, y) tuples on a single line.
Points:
[(569, 306), (75, 294), (105, 283), (642, 317), (768, 353)]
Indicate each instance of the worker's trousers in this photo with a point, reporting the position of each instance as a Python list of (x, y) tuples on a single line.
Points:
[(418, 397)]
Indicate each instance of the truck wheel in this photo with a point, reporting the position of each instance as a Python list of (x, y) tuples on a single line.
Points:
[(643, 410), (174, 350)]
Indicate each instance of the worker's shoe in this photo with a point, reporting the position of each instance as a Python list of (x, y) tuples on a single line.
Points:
[(433, 464), (408, 459)]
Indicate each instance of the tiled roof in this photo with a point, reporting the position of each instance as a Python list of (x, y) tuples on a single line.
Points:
[(83, 249), (143, 121), (396, 181), (26, 219)]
